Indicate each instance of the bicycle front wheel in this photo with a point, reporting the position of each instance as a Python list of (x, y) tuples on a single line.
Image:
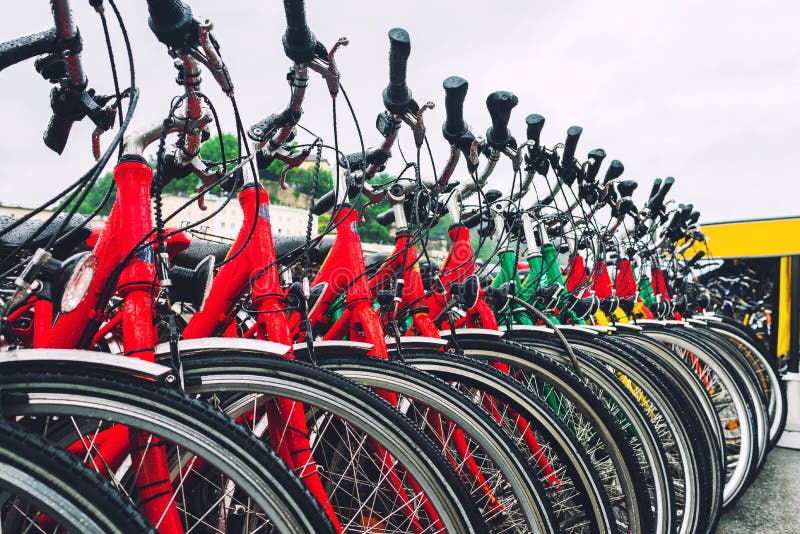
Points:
[(43, 488), (217, 476)]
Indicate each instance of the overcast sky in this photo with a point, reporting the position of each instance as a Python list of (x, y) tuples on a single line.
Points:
[(703, 91)]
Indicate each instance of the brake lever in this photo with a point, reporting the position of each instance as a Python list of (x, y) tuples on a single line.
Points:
[(100, 129), (328, 70), (416, 124), (212, 60), (108, 122), (373, 197), (292, 161), (207, 179)]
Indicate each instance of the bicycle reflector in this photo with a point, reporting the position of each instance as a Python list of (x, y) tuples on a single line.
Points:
[(81, 273)]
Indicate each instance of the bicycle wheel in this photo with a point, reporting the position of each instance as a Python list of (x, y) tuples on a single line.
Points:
[(217, 477), (769, 380), (733, 406), (643, 431), (694, 459), (42, 488), (587, 417), (414, 489), (572, 487), (755, 375)]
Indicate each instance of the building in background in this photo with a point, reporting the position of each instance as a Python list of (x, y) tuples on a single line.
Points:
[(285, 220)]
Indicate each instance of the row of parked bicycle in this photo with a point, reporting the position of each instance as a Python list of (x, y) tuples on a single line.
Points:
[(153, 378)]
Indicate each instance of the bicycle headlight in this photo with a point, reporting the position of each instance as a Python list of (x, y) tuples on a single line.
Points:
[(78, 283)]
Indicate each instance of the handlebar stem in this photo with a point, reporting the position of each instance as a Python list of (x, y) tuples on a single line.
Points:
[(298, 83), (454, 207), (135, 142), (399, 211)]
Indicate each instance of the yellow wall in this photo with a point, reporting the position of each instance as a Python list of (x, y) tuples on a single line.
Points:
[(776, 237)]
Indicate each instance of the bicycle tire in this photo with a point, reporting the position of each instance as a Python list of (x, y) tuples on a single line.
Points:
[(463, 371), (694, 444), (631, 501), (239, 373), (34, 472), (729, 384), (639, 428), (83, 396)]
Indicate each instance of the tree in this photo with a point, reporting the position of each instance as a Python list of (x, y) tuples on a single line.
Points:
[(209, 151), (95, 196)]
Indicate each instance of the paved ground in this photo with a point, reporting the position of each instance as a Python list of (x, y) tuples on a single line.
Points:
[(772, 503)]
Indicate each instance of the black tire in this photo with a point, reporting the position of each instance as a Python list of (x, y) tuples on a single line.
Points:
[(587, 511), (330, 396), (642, 434), (730, 387), (768, 377), (750, 378), (86, 400), (623, 474), (696, 461), (680, 403), (36, 477)]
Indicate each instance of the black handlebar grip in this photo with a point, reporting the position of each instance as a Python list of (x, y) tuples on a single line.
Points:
[(397, 96), (693, 218), (626, 188), (324, 203), (472, 221), (386, 218), (654, 189), (500, 104), (298, 41), (455, 89), (614, 171), (22, 48), (573, 134), (597, 156), (535, 124), (697, 257), (658, 199), (172, 22), (492, 195), (57, 133)]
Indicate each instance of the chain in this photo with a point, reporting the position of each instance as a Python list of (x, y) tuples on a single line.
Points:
[(310, 222)]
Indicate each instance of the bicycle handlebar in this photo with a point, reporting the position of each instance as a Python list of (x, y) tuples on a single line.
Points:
[(626, 188), (500, 104), (697, 257), (298, 41), (573, 134), (455, 89), (614, 171), (597, 156), (397, 96), (535, 124), (172, 23), (324, 203), (656, 202), (56, 134), (22, 48), (385, 218)]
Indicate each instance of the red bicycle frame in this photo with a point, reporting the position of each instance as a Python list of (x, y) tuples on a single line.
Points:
[(129, 224), (255, 267), (457, 267), (403, 262)]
